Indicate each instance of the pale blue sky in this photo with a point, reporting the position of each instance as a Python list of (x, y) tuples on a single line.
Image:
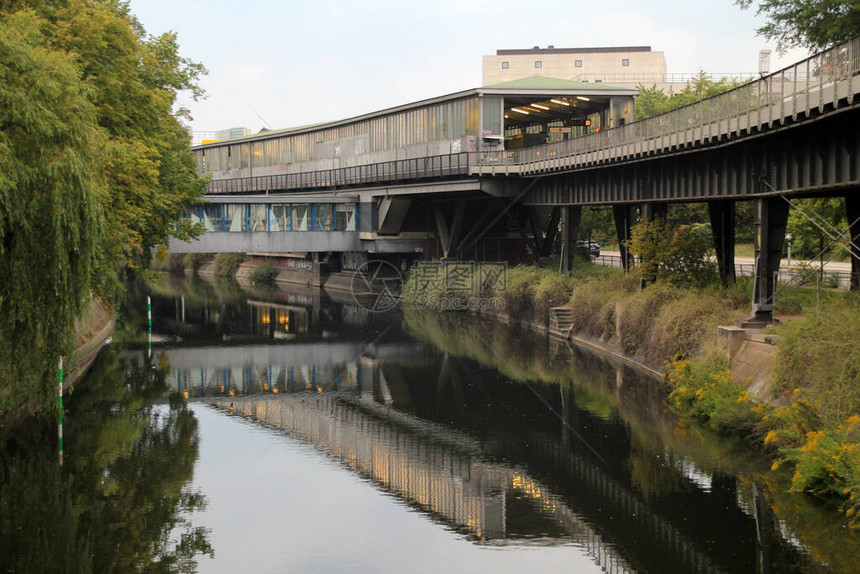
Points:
[(295, 63)]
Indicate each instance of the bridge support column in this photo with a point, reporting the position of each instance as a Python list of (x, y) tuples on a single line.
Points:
[(722, 216), (623, 214), (852, 210), (771, 216), (652, 211), (571, 215)]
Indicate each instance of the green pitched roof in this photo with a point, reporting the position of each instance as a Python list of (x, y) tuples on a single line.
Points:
[(547, 83)]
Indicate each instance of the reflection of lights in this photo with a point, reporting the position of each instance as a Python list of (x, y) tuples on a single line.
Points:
[(319, 389), (275, 390), (232, 392), (222, 388), (307, 386), (185, 394), (265, 386), (265, 319)]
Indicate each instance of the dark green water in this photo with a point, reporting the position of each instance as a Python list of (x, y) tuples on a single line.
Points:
[(284, 431)]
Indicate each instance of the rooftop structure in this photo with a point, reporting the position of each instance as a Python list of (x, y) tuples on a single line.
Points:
[(593, 65), (505, 116)]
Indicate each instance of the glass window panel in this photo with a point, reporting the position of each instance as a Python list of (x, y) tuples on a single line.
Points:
[(234, 219), (323, 217), (257, 217), (280, 218), (212, 216), (346, 217), (302, 217), (492, 115)]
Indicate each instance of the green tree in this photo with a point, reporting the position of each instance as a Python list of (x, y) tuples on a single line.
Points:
[(805, 222), (95, 170), (653, 101), (51, 205), (135, 80), (812, 24), (677, 254)]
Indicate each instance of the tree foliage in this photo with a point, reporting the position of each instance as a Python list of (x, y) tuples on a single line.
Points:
[(812, 24), (676, 254), (805, 223), (653, 101), (95, 169)]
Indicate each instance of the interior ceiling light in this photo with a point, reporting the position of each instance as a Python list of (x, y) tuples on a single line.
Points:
[(560, 102), (583, 98), (519, 111), (539, 107)]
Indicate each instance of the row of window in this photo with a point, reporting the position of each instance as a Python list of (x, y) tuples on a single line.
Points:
[(576, 63), (445, 120), (239, 217)]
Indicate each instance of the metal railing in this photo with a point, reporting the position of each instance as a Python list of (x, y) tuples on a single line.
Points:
[(805, 87), (647, 79), (818, 81), (429, 167)]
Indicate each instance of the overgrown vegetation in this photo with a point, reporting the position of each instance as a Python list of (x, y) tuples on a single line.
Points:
[(818, 430), (263, 274), (227, 264), (95, 169), (653, 101)]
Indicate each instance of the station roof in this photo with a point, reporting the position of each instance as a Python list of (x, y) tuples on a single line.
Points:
[(523, 91)]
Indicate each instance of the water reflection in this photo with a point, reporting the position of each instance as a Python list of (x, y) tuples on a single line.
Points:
[(506, 439), (119, 502)]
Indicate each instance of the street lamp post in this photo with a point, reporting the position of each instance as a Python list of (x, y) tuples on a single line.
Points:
[(788, 239)]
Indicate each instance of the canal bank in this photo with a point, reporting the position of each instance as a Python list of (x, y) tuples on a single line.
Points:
[(798, 402)]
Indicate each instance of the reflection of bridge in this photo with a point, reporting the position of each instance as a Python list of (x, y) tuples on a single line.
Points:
[(449, 475), (288, 368), (450, 176)]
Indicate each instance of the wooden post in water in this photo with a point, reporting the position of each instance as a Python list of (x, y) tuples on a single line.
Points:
[(60, 417)]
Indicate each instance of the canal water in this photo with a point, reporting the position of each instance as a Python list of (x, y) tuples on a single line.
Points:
[(297, 431)]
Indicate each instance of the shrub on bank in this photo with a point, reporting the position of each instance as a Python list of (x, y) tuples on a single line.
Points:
[(263, 274)]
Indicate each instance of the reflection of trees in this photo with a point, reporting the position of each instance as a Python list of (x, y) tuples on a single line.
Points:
[(119, 503)]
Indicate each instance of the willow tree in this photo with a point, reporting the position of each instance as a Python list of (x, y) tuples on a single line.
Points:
[(95, 169), (51, 198)]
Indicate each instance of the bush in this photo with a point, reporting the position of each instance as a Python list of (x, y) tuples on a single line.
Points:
[(710, 395), (227, 264), (821, 353), (263, 275), (677, 254)]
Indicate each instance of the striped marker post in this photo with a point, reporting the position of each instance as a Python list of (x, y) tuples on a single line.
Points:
[(149, 322), (60, 421)]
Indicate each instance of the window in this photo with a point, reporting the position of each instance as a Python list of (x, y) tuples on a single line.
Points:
[(280, 219), (538, 64), (302, 217), (505, 65), (213, 214), (323, 217), (625, 62), (257, 217), (578, 63), (345, 217), (234, 219)]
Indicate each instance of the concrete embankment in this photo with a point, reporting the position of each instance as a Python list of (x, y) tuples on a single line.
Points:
[(91, 332)]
